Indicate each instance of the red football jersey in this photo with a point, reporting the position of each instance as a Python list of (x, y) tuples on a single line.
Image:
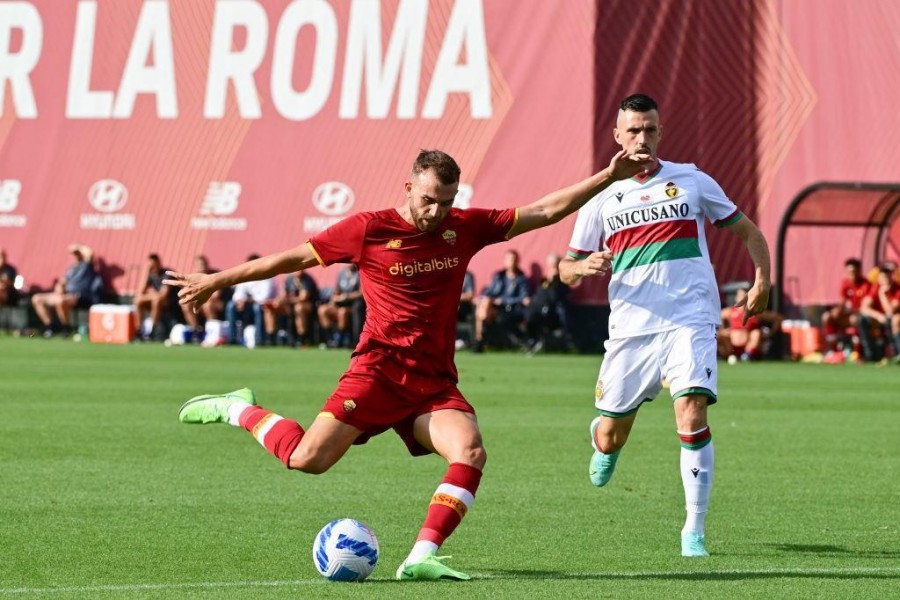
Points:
[(736, 319), (854, 292), (411, 280), (893, 295)]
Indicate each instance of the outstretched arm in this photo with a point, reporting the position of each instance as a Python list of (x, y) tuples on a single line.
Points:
[(561, 203), (758, 296), (196, 288)]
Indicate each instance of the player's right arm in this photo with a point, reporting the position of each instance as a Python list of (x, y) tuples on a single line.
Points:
[(196, 288), (559, 204)]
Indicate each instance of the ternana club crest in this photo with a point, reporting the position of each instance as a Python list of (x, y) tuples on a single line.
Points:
[(671, 189), (598, 391)]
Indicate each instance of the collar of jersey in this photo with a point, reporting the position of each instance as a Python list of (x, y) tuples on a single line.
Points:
[(655, 172)]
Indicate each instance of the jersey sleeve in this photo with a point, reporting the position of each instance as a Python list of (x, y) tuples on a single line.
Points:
[(588, 234), (492, 225), (717, 207), (342, 242)]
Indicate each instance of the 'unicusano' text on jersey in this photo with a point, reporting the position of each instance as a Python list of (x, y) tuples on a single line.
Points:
[(662, 277)]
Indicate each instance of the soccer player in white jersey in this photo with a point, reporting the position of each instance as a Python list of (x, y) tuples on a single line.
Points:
[(664, 302)]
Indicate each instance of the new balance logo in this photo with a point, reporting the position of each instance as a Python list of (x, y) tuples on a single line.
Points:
[(221, 198), (9, 194), (695, 471)]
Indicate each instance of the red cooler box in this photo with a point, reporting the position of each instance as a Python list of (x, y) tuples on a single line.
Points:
[(112, 324)]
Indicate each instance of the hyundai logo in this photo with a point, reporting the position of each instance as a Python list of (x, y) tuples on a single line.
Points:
[(333, 198), (108, 195)]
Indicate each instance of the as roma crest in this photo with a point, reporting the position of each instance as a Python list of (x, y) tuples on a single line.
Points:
[(449, 236), (349, 405)]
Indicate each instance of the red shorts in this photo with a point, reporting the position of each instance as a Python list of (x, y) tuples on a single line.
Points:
[(377, 393)]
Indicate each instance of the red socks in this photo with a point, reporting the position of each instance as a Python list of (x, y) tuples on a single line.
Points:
[(450, 502), (278, 435)]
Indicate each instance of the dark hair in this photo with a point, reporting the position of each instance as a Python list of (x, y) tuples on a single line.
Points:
[(253, 256), (638, 103), (853, 262), (154, 257), (441, 163)]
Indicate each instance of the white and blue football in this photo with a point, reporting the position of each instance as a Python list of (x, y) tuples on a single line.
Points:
[(345, 550)]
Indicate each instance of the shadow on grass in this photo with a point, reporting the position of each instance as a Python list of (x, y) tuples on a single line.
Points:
[(830, 550), (742, 575)]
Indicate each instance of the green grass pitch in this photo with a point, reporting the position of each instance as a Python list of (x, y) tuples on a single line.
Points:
[(103, 494)]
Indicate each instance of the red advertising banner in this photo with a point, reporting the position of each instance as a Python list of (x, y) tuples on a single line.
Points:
[(228, 127), (237, 126)]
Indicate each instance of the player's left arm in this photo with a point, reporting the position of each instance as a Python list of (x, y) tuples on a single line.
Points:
[(559, 204), (758, 296), (196, 288)]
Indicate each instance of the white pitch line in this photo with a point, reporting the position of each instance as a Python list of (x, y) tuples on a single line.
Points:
[(137, 587)]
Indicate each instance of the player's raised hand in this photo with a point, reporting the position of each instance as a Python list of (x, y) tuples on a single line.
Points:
[(624, 165), (755, 302), (598, 263), (195, 288)]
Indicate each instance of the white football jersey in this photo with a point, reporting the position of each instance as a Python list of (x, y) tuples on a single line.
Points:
[(662, 277)]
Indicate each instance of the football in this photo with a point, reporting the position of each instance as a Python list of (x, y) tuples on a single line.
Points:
[(345, 550)]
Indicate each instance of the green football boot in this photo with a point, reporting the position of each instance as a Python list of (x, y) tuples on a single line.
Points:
[(602, 465), (213, 408), (430, 568), (693, 545)]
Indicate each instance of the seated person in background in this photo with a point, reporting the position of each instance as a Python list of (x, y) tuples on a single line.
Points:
[(298, 301), (253, 302), (880, 317), (466, 310), (153, 299), (75, 289), (214, 307), (508, 293), (548, 311), (9, 296), (746, 341), (341, 317), (845, 314)]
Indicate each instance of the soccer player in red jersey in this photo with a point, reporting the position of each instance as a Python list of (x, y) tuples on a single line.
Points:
[(745, 336), (880, 312), (412, 261), (854, 288)]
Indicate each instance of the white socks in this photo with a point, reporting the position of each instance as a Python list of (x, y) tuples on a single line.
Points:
[(419, 551), (234, 412), (697, 477)]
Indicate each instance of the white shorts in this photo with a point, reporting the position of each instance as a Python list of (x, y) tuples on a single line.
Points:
[(634, 368)]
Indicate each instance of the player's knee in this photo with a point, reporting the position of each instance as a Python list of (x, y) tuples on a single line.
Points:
[(474, 456), (313, 463)]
